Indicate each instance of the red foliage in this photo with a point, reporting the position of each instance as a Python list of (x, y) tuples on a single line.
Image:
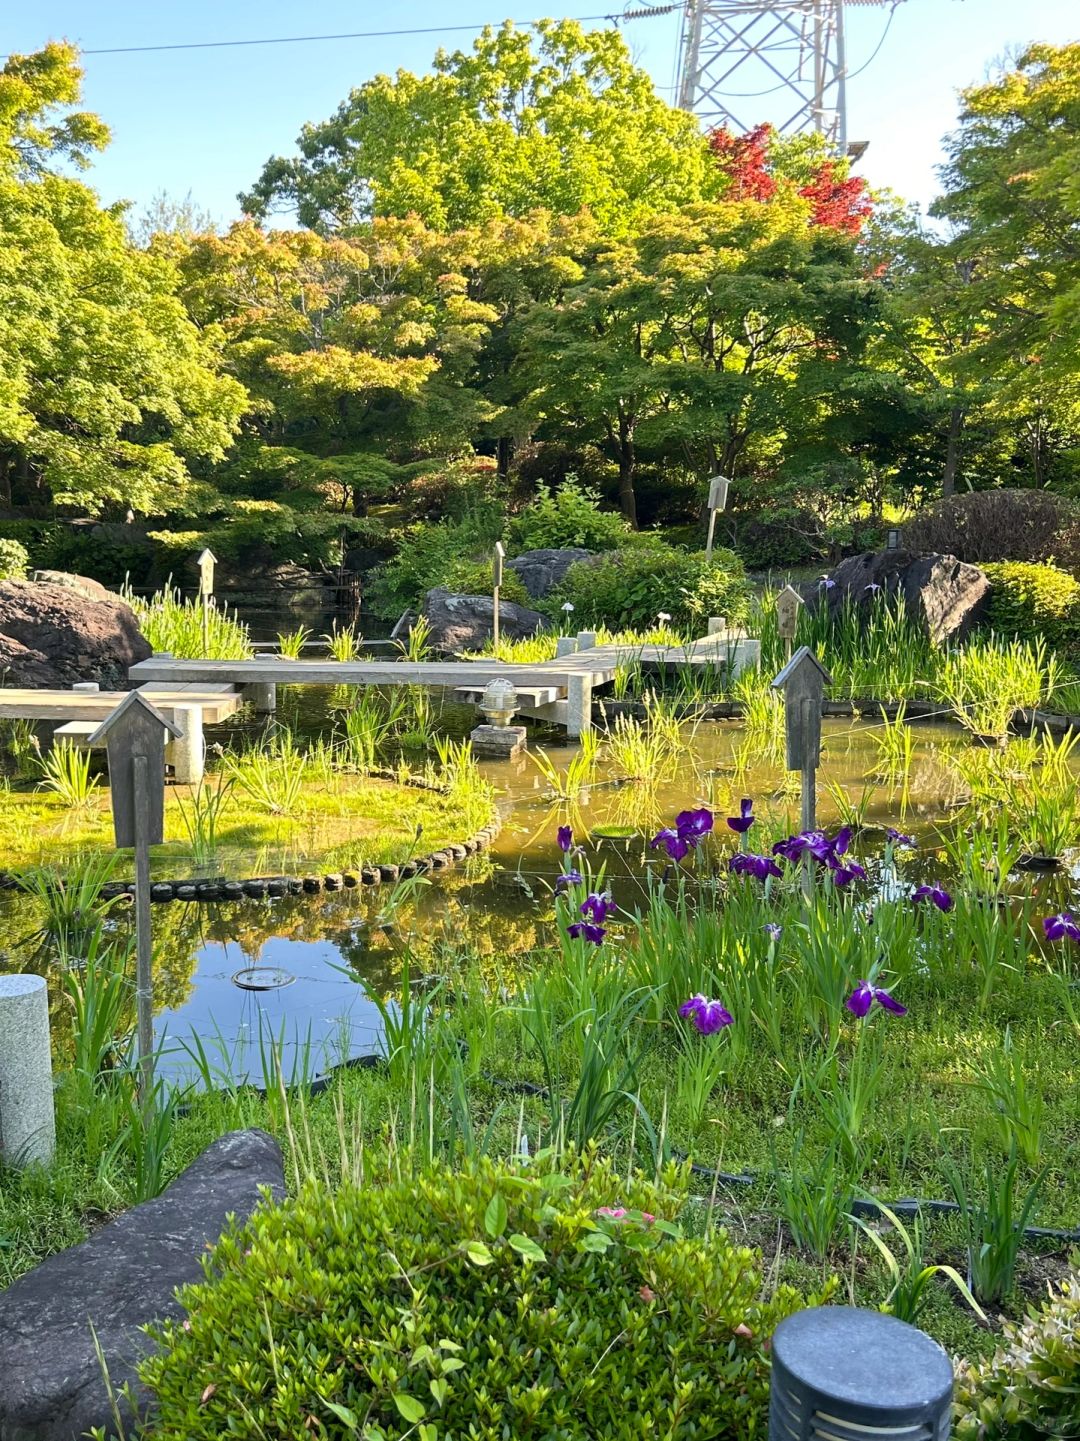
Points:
[(842, 205), (745, 158)]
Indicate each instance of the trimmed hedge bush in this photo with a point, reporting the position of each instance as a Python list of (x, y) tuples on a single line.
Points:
[(1030, 1387), (522, 1301), (632, 587), (1030, 601), (1005, 524)]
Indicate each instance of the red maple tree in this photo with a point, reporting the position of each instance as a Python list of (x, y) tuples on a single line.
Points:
[(841, 204)]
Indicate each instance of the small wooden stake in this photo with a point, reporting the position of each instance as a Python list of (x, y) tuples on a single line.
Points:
[(206, 561), (497, 577), (718, 493)]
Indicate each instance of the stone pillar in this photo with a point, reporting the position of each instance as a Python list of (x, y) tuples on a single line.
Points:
[(187, 756), (88, 686), (717, 625), (586, 639), (262, 696), (579, 704), (27, 1121), (565, 645)]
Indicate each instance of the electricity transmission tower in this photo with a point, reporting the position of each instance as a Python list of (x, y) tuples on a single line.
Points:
[(734, 53)]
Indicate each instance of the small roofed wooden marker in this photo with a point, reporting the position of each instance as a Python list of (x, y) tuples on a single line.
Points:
[(134, 736), (497, 580), (206, 560), (802, 683), (788, 604), (718, 494)]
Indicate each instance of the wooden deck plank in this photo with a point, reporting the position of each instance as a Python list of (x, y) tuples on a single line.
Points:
[(268, 671)]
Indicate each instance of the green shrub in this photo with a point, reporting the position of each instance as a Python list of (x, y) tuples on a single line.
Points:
[(475, 577), (571, 516), (1001, 524), (13, 560), (426, 556), (490, 1302), (632, 587), (1032, 601), (1030, 1387)]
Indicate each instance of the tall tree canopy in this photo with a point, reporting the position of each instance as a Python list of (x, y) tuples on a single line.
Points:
[(107, 388), (553, 117)]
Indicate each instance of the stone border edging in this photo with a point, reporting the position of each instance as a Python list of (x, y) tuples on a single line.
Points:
[(1023, 720)]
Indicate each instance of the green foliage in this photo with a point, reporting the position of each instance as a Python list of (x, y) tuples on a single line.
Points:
[(548, 117), (476, 577), (1034, 602), (1030, 1387), (466, 1302), (631, 587), (568, 516), (109, 389), (66, 772), (13, 560), (175, 625), (427, 556)]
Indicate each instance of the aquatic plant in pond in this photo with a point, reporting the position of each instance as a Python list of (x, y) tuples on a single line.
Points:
[(65, 772), (343, 642), (175, 625), (986, 681), (291, 643)]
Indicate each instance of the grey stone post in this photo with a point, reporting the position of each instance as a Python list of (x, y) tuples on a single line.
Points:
[(565, 645), (579, 704), (27, 1120), (187, 755), (262, 696)]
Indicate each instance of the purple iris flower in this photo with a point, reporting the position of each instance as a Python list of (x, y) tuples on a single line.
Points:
[(873, 587), (569, 878), (815, 843), (898, 838), (745, 863), (845, 874), (744, 820), (826, 583), (772, 930), (564, 838), (708, 1016), (597, 908), (694, 824), (1059, 927), (865, 994), (935, 894), (587, 930), (675, 844)]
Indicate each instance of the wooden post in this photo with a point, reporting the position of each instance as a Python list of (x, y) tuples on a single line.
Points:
[(206, 562), (718, 493), (497, 579), (788, 603), (134, 737), (802, 683)]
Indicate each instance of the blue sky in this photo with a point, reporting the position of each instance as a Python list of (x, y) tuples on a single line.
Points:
[(204, 121)]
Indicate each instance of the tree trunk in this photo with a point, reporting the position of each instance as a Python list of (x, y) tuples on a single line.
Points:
[(952, 452), (627, 463), (505, 454)]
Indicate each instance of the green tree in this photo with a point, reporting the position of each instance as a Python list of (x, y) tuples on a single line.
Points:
[(1012, 195), (108, 392), (551, 117)]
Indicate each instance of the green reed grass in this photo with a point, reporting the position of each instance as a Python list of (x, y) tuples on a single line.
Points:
[(291, 643), (175, 625), (343, 642), (66, 773)]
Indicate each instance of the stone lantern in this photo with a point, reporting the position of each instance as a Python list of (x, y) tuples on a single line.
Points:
[(496, 737)]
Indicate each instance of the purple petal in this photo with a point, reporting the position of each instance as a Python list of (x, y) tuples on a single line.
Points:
[(564, 838), (886, 1001), (861, 999), (692, 1006), (569, 878), (842, 841), (712, 1017)]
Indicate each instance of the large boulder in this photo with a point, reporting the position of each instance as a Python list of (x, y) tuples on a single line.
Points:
[(947, 595), (464, 622), (54, 635), (80, 584), (540, 571), (121, 1279)]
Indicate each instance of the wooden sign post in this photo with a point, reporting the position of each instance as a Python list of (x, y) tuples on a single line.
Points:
[(134, 737), (206, 561), (718, 493), (497, 580), (802, 683), (788, 604)]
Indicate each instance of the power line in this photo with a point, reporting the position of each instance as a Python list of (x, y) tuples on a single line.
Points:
[(348, 35)]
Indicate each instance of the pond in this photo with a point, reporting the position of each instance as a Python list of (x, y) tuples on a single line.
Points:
[(246, 986)]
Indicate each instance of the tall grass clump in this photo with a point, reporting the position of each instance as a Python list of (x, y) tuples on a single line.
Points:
[(272, 775), (985, 682), (66, 773), (175, 625), (343, 643)]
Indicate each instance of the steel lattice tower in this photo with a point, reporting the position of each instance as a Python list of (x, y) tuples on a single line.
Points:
[(735, 52)]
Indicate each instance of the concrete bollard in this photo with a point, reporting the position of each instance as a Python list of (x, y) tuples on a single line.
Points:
[(27, 1120), (717, 625), (261, 696), (89, 686), (565, 645), (579, 704), (187, 755), (586, 639)]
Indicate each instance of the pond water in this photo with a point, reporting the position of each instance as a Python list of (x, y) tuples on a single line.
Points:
[(239, 984)]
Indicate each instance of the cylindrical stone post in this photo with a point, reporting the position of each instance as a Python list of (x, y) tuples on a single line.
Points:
[(565, 645), (27, 1120), (88, 686), (261, 696)]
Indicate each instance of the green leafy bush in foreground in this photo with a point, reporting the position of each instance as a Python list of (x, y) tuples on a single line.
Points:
[(495, 1301), (1030, 1387), (1032, 601), (632, 587), (14, 559), (571, 516)]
